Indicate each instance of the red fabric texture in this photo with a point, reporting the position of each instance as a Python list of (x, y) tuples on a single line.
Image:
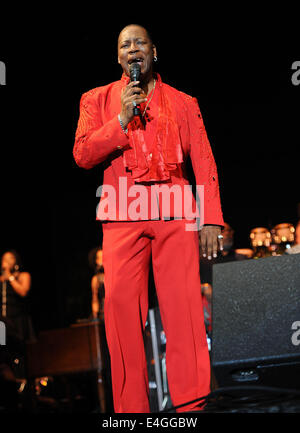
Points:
[(127, 250), (174, 131), (165, 143)]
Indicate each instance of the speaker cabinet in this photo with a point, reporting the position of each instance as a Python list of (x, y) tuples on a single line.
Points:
[(256, 322)]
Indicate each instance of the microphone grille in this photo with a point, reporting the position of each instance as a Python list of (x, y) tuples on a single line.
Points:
[(135, 71)]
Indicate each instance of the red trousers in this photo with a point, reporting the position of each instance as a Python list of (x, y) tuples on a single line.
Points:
[(127, 250)]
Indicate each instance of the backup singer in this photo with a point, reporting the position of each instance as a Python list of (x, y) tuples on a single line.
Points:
[(97, 282), (15, 285), (151, 149)]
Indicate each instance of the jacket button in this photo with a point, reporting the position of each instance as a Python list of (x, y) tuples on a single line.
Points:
[(119, 147)]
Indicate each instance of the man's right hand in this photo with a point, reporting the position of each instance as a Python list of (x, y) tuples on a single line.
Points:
[(131, 93)]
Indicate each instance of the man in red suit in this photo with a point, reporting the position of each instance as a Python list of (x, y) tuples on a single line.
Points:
[(143, 157)]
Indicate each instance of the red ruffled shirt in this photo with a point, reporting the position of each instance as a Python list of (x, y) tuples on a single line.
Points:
[(155, 145)]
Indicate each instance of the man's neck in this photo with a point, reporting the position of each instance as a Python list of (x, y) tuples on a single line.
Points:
[(147, 84)]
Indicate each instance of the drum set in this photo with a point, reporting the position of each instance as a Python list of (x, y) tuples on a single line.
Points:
[(274, 242)]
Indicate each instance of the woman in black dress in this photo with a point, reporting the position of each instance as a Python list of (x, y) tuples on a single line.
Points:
[(15, 285)]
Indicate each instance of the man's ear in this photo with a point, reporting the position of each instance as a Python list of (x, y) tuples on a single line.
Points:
[(154, 50)]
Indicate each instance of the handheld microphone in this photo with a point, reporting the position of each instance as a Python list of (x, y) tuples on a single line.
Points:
[(135, 72)]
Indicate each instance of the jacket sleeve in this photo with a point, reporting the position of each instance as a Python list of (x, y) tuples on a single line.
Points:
[(95, 141), (204, 165)]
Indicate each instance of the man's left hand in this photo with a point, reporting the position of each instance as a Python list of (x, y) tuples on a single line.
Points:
[(209, 241)]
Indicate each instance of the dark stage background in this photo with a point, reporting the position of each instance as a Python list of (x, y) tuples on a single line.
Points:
[(241, 75)]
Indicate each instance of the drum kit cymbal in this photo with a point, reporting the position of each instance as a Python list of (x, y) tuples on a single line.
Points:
[(272, 242)]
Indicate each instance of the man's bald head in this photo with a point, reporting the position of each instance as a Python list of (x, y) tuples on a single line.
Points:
[(135, 26)]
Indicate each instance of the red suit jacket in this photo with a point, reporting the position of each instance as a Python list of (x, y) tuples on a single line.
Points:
[(100, 139)]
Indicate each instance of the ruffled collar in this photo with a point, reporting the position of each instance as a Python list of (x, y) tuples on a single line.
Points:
[(166, 149)]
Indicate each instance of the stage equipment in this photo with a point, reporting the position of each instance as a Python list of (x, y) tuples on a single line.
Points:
[(77, 349), (256, 322), (283, 236), (260, 241)]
